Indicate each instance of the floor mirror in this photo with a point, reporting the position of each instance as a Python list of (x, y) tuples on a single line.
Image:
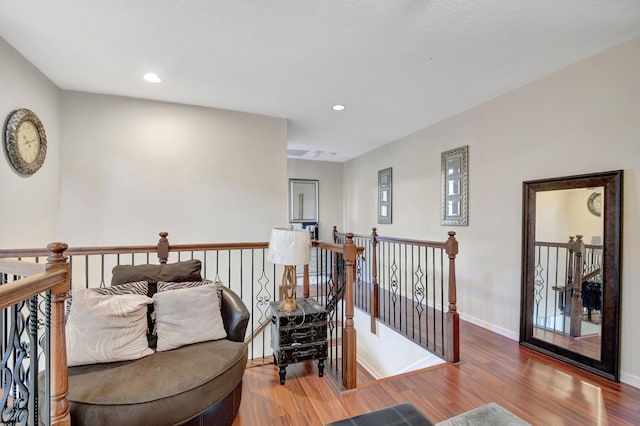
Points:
[(570, 305)]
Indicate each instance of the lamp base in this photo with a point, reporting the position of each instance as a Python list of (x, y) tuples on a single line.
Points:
[(288, 305), (289, 286)]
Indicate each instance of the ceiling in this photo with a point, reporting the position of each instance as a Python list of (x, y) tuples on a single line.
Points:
[(397, 65)]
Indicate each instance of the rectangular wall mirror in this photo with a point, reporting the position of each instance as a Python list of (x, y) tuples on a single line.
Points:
[(303, 200), (571, 270)]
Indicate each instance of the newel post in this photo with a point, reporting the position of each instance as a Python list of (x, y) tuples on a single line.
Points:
[(163, 247), (349, 337), (575, 329), (59, 404), (375, 288), (452, 333), (335, 234)]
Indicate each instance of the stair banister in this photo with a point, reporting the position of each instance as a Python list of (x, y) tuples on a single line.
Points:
[(452, 333), (59, 406), (349, 348)]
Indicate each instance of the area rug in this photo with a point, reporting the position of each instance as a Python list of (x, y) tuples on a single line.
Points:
[(490, 414)]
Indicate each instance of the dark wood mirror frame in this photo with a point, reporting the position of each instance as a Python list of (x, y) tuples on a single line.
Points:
[(608, 364)]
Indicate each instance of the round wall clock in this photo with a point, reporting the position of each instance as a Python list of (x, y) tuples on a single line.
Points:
[(594, 204), (25, 141)]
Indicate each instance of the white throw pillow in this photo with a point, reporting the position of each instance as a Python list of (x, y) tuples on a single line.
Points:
[(106, 328), (188, 315)]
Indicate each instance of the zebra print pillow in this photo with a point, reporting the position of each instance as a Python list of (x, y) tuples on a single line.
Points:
[(138, 287), (168, 286)]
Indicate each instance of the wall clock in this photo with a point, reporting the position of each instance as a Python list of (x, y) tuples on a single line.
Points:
[(25, 141), (594, 204)]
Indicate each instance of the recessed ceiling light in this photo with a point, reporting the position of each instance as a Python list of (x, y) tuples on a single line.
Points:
[(152, 77), (338, 107)]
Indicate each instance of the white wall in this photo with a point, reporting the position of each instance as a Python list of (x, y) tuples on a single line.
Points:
[(329, 175), (30, 204), (582, 119), (132, 168)]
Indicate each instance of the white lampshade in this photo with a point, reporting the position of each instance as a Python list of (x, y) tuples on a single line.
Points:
[(289, 246)]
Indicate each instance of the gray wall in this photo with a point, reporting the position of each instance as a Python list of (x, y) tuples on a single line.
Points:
[(30, 204), (119, 170), (132, 168)]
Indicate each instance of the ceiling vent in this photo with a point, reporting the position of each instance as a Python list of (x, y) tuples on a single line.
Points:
[(296, 152)]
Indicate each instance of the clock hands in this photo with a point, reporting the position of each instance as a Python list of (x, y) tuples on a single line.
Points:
[(28, 142)]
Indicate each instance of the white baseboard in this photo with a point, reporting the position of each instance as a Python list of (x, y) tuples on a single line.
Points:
[(630, 379), (484, 324)]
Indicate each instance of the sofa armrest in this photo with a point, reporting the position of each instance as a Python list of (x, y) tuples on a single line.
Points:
[(234, 315)]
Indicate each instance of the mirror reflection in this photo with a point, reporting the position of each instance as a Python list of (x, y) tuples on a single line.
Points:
[(303, 200), (567, 307), (571, 263)]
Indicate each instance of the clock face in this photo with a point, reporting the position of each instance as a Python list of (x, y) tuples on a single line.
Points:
[(28, 142), (594, 204), (25, 141)]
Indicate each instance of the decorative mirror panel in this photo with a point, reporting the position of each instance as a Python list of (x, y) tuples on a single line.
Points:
[(303, 200)]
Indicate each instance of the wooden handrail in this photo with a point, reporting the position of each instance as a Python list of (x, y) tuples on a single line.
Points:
[(78, 251), (20, 269), (17, 291)]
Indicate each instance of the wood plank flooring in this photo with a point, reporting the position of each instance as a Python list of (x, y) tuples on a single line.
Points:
[(540, 390)]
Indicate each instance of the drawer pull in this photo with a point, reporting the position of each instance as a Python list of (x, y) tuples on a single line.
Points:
[(305, 334), (308, 352)]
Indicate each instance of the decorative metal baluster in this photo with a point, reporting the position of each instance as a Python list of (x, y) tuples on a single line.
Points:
[(15, 381), (538, 281), (32, 367), (393, 279), (419, 291)]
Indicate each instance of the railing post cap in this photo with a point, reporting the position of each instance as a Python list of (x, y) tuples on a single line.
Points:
[(163, 234), (56, 249), (452, 233)]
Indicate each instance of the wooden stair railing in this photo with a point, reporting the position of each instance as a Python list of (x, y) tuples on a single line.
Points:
[(53, 277), (450, 349), (258, 303), (350, 252)]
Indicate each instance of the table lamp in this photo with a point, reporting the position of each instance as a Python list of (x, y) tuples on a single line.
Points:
[(289, 247)]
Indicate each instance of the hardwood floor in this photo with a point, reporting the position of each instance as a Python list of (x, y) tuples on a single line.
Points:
[(540, 390)]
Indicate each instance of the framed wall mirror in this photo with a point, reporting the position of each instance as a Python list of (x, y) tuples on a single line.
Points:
[(570, 304), (303, 200)]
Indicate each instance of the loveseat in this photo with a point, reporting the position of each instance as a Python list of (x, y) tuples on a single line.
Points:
[(194, 384)]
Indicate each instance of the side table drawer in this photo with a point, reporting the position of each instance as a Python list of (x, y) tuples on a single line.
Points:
[(310, 333), (296, 353)]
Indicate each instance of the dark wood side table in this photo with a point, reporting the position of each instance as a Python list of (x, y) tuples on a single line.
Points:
[(299, 335)]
